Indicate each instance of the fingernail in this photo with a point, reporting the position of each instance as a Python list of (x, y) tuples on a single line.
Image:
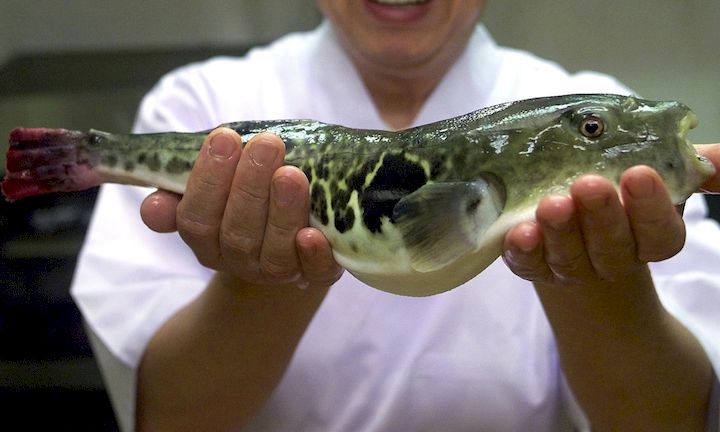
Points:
[(641, 186), (284, 191), (222, 145), (560, 217), (527, 240), (594, 202), (307, 246), (263, 154)]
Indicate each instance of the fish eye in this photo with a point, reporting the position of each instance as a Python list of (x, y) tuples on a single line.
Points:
[(592, 126)]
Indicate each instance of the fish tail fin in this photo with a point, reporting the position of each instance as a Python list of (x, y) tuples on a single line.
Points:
[(44, 160)]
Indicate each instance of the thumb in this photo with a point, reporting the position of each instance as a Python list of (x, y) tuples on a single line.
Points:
[(158, 211)]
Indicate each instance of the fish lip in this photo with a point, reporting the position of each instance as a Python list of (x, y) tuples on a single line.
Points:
[(703, 165), (688, 122)]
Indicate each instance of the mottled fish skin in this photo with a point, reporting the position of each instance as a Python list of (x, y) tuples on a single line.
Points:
[(421, 211)]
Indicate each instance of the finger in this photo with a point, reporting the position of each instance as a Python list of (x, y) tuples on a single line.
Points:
[(523, 252), (712, 153), (159, 211), (564, 246), (288, 213), (201, 209), (318, 264), (658, 229), (243, 224), (606, 231)]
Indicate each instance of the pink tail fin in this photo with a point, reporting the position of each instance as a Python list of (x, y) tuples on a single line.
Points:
[(42, 160)]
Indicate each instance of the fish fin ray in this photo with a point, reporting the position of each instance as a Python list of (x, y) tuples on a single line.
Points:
[(442, 221)]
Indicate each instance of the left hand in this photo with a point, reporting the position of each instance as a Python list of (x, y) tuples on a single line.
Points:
[(591, 237), (587, 256)]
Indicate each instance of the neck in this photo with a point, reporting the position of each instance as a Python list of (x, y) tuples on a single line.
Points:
[(400, 91), (399, 99)]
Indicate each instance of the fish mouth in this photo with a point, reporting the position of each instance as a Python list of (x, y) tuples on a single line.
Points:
[(704, 167)]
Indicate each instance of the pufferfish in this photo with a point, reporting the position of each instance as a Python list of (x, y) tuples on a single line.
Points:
[(413, 212)]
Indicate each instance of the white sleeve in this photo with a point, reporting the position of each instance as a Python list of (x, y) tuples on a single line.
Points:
[(120, 380), (129, 279), (689, 287)]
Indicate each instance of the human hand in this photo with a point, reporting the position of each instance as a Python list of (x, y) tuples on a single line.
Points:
[(712, 153), (623, 354), (591, 240), (245, 215)]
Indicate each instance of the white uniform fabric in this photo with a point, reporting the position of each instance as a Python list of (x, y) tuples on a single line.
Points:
[(480, 357)]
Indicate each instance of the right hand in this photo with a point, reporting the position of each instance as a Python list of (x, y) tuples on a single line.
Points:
[(245, 215)]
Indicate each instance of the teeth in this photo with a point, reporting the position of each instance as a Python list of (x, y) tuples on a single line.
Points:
[(400, 2)]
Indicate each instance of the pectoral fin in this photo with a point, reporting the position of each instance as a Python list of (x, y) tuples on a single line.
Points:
[(442, 221)]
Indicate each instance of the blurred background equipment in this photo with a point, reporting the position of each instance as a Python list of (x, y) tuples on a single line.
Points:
[(83, 64)]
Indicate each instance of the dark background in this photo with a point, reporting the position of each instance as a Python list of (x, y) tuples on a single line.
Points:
[(48, 377)]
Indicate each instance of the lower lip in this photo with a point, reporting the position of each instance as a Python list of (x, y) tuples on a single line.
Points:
[(398, 14)]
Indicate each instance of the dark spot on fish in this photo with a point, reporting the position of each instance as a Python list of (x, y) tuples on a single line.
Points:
[(396, 178), (356, 181), (350, 217), (142, 158), (340, 221), (129, 165), (110, 160), (354, 246), (307, 169), (321, 168), (318, 204), (344, 219), (153, 162), (340, 197), (177, 165), (459, 159)]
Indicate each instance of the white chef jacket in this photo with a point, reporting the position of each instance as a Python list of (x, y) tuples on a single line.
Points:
[(480, 357)]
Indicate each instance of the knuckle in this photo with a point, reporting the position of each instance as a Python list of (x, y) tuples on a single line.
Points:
[(191, 229), (525, 267), (276, 268), (253, 196), (614, 257), (327, 279), (208, 183), (239, 242), (567, 266), (651, 219), (281, 229), (209, 261)]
